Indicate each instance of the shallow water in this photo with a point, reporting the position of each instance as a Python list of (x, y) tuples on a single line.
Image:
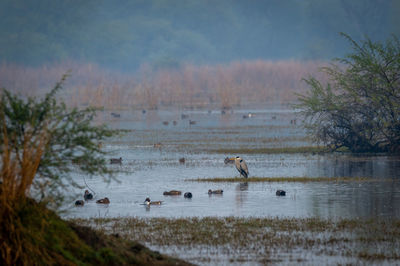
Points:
[(149, 171)]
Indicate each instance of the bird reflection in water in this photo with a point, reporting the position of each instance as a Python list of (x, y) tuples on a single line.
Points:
[(243, 186), (241, 194)]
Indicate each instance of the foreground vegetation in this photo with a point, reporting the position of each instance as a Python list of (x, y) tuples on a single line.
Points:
[(34, 235), (263, 240), (40, 142)]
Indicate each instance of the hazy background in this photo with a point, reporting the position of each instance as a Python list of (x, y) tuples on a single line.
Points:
[(197, 51)]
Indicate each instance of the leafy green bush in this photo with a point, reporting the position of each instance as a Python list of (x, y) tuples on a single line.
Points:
[(41, 141), (360, 107)]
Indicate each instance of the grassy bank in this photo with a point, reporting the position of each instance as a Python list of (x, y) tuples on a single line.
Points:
[(286, 179), (34, 235), (263, 240)]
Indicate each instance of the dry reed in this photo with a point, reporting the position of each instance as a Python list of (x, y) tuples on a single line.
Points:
[(18, 171), (191, 86)]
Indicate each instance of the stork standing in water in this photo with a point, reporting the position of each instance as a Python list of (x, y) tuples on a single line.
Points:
[(241, 166)]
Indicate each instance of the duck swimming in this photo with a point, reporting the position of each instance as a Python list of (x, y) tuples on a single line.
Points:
[(188, 195), (172, 193), (88, 195), (103, 201), (116, 160), (218, 191), (79, 203), (149, 202), (280, 192)]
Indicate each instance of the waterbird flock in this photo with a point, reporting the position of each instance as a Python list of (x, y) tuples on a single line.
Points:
[(239, 163)]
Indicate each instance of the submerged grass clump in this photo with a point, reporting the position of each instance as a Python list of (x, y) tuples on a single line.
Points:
[(283, 150), (263, 239), (286, 179)]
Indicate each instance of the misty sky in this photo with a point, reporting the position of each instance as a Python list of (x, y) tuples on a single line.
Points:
[(128, 33)]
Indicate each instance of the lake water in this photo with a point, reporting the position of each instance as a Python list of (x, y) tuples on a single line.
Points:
[(149, 171)]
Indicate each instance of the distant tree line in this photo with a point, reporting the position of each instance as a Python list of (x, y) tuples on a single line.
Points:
[(127, 34)]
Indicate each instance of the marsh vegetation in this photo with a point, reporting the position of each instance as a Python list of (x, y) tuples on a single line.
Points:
[(287, 179), (263, 240), (188, 84), (248, 223)]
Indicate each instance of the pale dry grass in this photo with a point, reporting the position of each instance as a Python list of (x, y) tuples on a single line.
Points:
[(18, 170), (191, 86)]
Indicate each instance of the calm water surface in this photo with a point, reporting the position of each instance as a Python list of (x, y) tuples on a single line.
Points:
[(149, 171)]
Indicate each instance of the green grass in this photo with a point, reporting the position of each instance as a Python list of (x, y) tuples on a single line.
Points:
[(286, 179)]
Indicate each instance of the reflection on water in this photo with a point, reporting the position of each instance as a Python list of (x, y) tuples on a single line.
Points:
[(148, 170), (241, 195)]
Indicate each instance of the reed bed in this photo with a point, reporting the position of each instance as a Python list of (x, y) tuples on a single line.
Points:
[(190, 86)]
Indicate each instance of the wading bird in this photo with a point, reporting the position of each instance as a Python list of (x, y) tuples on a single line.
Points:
[(241, 166)]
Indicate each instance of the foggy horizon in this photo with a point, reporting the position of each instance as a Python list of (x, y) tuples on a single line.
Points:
[(169, 34), (195, 54)]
